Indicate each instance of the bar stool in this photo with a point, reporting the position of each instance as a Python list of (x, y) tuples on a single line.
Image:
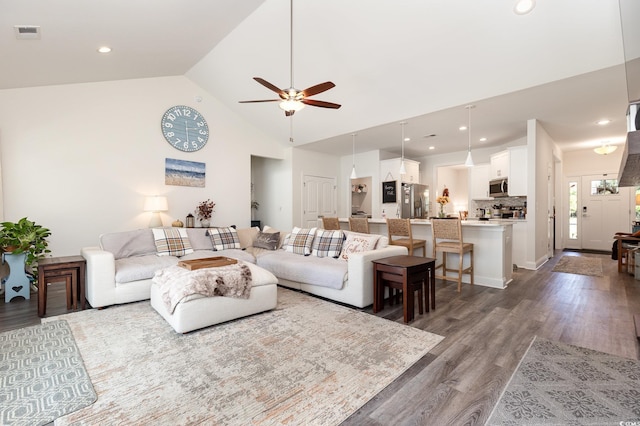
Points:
[(359, 224), (402, 228), (330, 223), (447, 238)]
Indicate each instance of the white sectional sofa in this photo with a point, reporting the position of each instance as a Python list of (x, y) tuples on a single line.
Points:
[(121, 269)]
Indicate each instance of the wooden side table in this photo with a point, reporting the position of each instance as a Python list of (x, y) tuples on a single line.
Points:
[(406, 272), (54, 269)]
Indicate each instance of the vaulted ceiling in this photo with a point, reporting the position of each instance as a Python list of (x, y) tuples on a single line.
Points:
[(407, 60)]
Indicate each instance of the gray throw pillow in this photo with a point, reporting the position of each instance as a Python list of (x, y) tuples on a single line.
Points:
[(267, 240)]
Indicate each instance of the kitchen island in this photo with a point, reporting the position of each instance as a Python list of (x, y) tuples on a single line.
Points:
[(492, 247)]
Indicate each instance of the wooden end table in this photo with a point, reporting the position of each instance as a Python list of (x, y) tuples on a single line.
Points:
[(71, 269), (406, 272)]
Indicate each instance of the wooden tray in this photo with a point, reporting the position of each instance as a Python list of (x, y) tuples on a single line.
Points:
[(207, 262)]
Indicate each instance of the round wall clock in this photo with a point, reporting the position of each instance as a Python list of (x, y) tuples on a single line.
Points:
[(185, 128)]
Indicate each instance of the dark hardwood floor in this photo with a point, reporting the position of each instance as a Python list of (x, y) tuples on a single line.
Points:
[(487, 331)]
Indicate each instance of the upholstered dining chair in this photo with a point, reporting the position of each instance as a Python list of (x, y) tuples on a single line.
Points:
[(447, 238), (330, 223), (359, 224), (400, 234)]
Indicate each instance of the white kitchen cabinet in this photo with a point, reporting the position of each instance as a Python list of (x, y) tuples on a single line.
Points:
[(479, 182), (518, 172), (499, 165)]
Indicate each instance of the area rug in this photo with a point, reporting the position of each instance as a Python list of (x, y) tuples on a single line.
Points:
[(42, 376), (308, 361), (559, 384), (580, 265)]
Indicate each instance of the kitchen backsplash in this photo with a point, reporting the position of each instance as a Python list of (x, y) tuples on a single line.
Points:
[(512, 203)]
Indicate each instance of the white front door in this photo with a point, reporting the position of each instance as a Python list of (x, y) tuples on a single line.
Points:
[(319, 199), (602, 211)]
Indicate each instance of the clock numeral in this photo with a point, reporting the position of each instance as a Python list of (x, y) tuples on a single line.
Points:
[(177, 141), (169, 125), (186, 145), (200, 123), (170, 134), (171, 117), (202, 132), (194, 145)]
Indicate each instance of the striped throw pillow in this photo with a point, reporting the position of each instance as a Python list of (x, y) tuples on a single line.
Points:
[(171, 241), (300, 241), (327, 243), (224, 238)]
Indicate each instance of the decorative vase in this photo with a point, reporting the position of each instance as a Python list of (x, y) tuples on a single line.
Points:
[(204, 223), (441, 213)]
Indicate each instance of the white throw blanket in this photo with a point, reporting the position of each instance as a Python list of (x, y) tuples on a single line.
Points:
[(176, 283)]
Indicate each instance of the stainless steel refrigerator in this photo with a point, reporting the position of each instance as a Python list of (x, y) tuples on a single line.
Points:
[(414, 201)]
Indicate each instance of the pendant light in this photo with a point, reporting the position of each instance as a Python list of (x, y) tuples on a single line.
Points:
[(353, 170), (403, 169), (469, 161)]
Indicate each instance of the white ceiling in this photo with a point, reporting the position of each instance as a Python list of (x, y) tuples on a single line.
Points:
[(407, 60)]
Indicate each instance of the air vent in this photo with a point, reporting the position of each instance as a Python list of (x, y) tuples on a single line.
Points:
[(27, 32)]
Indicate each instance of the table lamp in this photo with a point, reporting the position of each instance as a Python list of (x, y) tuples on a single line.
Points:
[(155, 204)]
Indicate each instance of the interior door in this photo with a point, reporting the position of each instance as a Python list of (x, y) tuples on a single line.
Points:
[(319, 199), (603, 211)]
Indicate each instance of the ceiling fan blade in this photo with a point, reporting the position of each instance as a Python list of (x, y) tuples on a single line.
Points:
[(318, 88), (321, 104), (270, 86), (264, 100)]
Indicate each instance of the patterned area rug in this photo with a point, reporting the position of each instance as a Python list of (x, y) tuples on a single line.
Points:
[(306, 362), (558, 384), (580, 265), (41, 375)]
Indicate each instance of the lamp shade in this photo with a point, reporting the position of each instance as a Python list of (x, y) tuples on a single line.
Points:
[(156, 203)]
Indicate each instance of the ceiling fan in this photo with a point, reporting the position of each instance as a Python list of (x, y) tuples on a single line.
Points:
[(292, 99)]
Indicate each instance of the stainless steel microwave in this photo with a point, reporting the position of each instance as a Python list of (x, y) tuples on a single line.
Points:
[(499, 188)]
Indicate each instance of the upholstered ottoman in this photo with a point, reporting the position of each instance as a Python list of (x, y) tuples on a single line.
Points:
[(199, 311)]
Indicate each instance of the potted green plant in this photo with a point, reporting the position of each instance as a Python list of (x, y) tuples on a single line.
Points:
[(25, 236)]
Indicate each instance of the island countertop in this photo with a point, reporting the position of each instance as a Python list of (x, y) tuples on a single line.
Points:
[(492, 241)]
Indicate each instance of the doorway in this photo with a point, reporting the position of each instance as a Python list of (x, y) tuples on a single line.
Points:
[(319, 198), (598, 209)]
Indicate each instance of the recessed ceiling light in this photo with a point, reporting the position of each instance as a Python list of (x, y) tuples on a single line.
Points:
[(407, 139), (432, 147), (104, 49), (603, 122), (523, 7), (483, 139), (461, 128)]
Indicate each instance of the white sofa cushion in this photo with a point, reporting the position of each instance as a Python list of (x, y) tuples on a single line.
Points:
[(137, 268), (128, 243), (321, 271)]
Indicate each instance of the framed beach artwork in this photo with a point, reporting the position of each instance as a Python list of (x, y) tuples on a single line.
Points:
[(184, 173)]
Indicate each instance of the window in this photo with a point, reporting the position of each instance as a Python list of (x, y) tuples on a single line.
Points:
[(573, 210), (604, 187)]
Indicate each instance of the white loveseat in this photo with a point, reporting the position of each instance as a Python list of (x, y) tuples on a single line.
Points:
[(121, 269)]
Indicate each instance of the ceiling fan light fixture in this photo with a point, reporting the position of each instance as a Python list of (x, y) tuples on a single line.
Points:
[(291, 105)]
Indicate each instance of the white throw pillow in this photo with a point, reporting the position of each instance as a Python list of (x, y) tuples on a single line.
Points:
[(356, 243)]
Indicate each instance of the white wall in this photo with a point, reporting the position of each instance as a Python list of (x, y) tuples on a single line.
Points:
[(79, 159)]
